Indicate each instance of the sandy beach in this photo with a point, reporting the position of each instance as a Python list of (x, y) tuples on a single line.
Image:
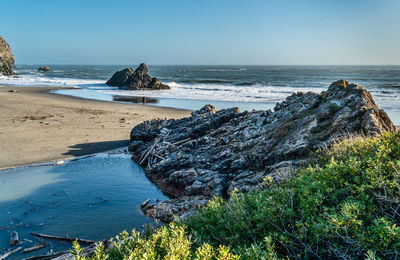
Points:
[(37, 126)]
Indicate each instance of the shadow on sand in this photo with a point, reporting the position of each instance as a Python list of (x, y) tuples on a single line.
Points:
[(95, 147)]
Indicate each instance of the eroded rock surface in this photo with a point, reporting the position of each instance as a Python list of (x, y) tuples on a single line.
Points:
[(138, 79), (213, 152), (6, 58)]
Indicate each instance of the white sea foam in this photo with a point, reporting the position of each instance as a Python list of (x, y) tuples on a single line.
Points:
[(190, 91), (222, 92), (33, 80)]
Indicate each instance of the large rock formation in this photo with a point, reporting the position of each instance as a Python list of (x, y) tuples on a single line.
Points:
[(213, 153), (138, 79), (6, 58)]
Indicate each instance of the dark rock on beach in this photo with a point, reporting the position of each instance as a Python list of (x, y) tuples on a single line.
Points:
[(44, 68), (6, 58), (138, 79), (213, 153)]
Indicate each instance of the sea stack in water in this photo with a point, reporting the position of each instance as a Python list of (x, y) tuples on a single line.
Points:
[(44, 68), (138, 79), (213, 153), (6, 58)]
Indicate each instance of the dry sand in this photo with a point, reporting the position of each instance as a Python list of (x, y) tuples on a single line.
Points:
[(37, 126)]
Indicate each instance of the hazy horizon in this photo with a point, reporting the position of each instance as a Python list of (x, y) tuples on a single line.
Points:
[(297, 32), (255, 65)]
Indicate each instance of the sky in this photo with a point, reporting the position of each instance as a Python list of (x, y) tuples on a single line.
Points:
[(203, 32)]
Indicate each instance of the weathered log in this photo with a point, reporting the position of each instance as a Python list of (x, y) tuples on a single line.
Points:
[(159, 157), (14, 238), (149, 151), (2, 257), (164, 133), (47, 257), (182, 141), (34, 248), (82, 241)]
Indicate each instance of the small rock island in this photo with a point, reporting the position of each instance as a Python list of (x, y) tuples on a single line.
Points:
[(138, 79), (44, 68)]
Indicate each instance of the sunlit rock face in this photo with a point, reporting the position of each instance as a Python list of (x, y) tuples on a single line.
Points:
[(213, 152), (6, 58)]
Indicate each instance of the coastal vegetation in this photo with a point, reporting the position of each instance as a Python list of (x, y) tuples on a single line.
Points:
[(344, 204)]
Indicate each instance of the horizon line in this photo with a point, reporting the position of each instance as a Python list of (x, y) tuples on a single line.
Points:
[(88, 64)]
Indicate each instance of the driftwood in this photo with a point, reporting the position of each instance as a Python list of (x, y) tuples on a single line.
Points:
[(82, 241), (159, 157), (182, 141), (34, 248), (152, 155), (155, 155), (149, 151), (164, 134), (2, 257), (14, 238), (47, 257)]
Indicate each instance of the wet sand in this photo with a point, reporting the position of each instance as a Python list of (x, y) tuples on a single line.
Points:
[(37, 126)]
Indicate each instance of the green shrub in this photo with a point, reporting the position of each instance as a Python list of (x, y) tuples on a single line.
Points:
[(167, 242), (343, 205)]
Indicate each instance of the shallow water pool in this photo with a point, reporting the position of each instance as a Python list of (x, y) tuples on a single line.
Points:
[(92, 198)]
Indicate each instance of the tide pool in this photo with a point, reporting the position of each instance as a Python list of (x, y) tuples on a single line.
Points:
[(93, 198)]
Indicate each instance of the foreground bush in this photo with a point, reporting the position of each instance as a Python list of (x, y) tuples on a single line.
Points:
[(345, 205), (167, 242)]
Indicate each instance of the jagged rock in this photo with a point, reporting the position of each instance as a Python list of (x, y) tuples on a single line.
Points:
[(44, 68), (182, 207), (138, 79), (228, 150), (6, 58)]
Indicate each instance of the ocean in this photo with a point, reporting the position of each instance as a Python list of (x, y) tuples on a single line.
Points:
[(247, 87)]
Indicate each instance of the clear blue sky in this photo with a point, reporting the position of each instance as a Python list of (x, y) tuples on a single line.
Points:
[(202, 31)]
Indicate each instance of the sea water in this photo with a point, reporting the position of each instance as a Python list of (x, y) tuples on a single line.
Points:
[(94, 198), (246, 87)]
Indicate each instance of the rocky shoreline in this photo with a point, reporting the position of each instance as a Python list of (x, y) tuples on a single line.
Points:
[(213, 153)]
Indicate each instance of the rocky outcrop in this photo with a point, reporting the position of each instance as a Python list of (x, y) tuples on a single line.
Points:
[(213, 152), (44, 68), (138, 79), (6, 58)]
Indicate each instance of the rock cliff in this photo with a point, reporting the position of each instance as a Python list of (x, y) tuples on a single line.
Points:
[(6, 58), (138, 79), (213, 152)]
